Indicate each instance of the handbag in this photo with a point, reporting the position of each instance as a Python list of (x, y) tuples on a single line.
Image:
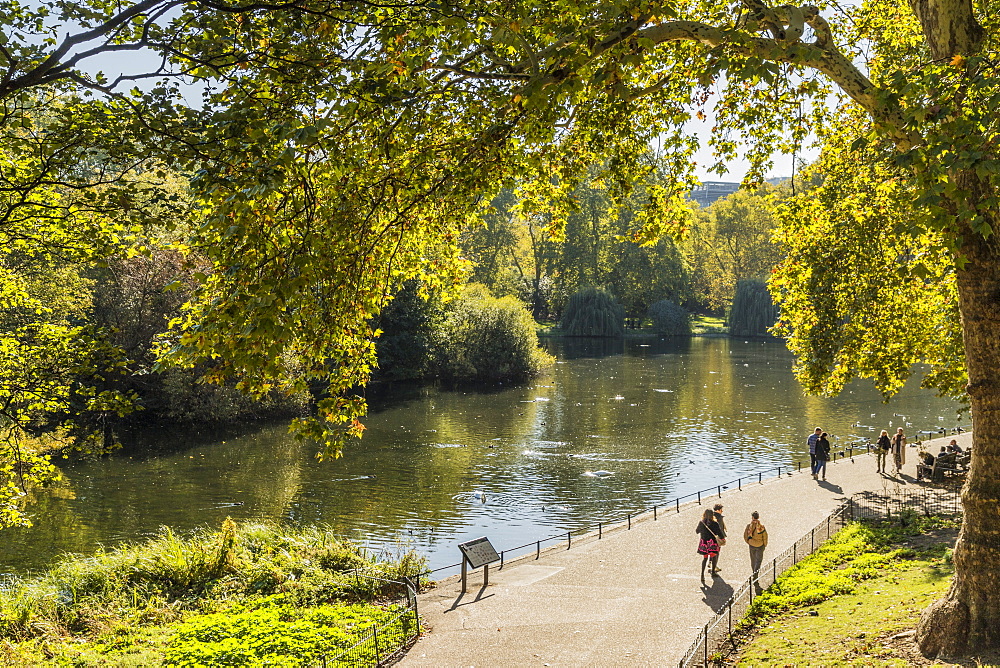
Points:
[(719, 541)]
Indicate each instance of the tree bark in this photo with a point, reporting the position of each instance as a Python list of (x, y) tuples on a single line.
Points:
[(969, 616)]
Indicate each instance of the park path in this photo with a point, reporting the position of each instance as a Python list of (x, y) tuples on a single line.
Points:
[(634, 598)]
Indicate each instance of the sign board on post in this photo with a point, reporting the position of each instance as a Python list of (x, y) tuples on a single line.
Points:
[(479, 552)]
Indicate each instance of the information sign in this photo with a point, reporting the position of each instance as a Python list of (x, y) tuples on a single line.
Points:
[(479, 552)]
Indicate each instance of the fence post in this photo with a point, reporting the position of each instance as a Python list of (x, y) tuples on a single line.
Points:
[(699, 497), (706, 645), (730, 619), (569, 539), (795, 547), (378, 652), (720, 491), (630, 521), (760, 477), (654, 512), (779, 471), (599, 531), (828, 527), (739, 483), (538, 550), (678, 502), (799, 466), (812, 540)]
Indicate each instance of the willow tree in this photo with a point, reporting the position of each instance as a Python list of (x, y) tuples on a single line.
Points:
[(340, 146)]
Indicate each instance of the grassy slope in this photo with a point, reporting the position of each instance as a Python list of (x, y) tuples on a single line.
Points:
[(845, 606)]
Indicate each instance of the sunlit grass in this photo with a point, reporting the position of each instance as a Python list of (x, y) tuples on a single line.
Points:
[(843, 605), (127, 603)]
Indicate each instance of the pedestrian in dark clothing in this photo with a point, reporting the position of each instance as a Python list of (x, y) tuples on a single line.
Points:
[(899, 449), (813, 437), (882, 447), (822, 455), (711, 537)]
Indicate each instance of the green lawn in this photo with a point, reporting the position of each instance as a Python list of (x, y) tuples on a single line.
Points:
[(856, 601)]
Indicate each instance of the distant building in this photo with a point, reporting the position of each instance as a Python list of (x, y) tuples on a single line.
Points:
[(709, 191)]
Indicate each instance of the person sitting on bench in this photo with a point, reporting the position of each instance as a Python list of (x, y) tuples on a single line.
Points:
[(925, 464)]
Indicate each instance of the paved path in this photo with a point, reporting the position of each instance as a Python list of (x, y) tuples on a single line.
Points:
[(635, 597)]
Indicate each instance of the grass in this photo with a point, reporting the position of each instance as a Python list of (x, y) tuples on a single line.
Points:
[(173, 598), (844, 604), (706, 324), (701, 325)]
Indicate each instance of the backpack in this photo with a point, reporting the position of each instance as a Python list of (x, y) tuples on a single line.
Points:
[(758, 539)]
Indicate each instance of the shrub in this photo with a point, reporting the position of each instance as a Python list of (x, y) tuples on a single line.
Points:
[(279, 634), (593, 312), (669, 319), (488, 339), (407, 322), (753, 312)]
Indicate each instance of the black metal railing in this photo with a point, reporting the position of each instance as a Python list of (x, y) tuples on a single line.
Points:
[(382, 644), (624, 521), (717, 636)]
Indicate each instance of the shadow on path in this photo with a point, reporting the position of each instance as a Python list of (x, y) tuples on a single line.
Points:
[(458, 601), (716, 593)]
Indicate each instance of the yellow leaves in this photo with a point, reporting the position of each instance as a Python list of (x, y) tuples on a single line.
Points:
[(958, 62)]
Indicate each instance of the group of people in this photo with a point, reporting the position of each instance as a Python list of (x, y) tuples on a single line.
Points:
[(711, 532), (946, 459)]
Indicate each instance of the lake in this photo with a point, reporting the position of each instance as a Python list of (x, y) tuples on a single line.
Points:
[(665, 417)]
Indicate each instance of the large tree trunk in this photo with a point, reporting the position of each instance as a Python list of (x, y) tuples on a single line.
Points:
[(968, 617)]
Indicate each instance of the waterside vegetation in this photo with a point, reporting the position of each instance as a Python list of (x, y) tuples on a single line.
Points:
[(248, 594)]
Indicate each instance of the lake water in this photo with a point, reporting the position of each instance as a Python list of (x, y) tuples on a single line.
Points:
[(665, 417)]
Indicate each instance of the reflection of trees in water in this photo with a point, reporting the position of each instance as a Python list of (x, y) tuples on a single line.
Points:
[(720, 404)]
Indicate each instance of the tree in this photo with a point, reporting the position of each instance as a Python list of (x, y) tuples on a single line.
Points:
[(731, 241), (337, 140)]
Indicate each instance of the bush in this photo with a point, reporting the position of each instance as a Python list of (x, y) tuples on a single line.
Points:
[(669, 319), (407, 322), (753, 312), (488, 339), (593, 312)]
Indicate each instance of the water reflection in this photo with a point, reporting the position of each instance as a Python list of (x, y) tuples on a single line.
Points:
[(662, 418)]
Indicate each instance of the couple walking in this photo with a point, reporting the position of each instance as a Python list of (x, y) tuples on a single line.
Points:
[(819, 452), (896, 444), (711, 532)]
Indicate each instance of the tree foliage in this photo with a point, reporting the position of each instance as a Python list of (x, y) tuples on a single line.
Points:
[(487, 339), (593, 312), (753, 312), (670, 319)]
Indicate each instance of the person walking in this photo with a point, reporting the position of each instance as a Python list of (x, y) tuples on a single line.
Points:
[(899, 449), (822, 455), (710, 539), (755, 535), (721, 520), (882, 447), (813, 437)]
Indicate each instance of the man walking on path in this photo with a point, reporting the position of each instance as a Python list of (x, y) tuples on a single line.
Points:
[(756, 537), (813, 437)]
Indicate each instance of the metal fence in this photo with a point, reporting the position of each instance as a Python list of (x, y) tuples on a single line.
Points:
[(717, 636), (624, 521), (384, 643)]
